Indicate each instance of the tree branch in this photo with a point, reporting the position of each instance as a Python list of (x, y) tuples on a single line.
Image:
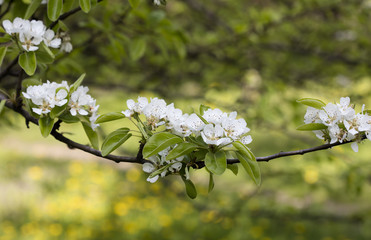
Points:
[(66, 15), (69, 142), (7, 9), (139, 158)]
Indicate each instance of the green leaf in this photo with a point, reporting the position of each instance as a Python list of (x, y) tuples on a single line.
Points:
[(85, 5), (203, 108), (68, 118), (202, 118), (312, 102), (44, 54), (198, 141), (2, 104), (46, 125), (2, 54), (211, 183), (55, 8), (137, 49), (32, 8), (216, 162), (67, 6), (77, 83), (108, 117), (190, 188), (311, 127), (57, 111), (30, 82), (248, 161), (233, 168), (27, 61), (368, 112), (114, 140), (159, 171), (158, 142), (134, 3), (92, 135), (181, 149)]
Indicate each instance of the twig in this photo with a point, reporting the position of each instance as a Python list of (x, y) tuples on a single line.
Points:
[(66, 15), (139, 158), (7, 9)]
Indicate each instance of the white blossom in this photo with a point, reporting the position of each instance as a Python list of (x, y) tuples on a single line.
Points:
[(135, 107), (50, 40), (31, 33), (214, 135), (214, 116), (155, 111), (343, 124)]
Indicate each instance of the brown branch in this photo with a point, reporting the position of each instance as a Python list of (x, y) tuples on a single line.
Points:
[(66, 15), (139, 158), (7, 9), (71, 144)]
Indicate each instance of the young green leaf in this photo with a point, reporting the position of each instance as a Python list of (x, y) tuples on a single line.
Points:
[(44, 54), (137, 49), (30, 82), (251, 167), (134, 3), (203, 108), (190, 188), (85, 5), (181, 149), (46, 125), (312, 102), (248, 161), (211, 183), (158, 142), (91, 134), (108, 117), (57, 111), (2, 54), (216, 162), (2, 104), (55, 8), (202, 118), (114, 140), (27, 61), (159, 171), (311, 127), (68, 118), (233, 168), (77, 83), (32, 8)]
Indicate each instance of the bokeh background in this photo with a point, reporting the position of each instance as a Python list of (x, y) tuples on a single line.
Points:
[(256, 57)]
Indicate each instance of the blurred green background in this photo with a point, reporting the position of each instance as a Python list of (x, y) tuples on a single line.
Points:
[(253, 57)]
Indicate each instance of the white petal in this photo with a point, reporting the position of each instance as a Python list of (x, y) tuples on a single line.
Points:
[(55, 43), (37, 110), (354, 146), (83, 112), (73, 111), (148, 167), (152, 180)]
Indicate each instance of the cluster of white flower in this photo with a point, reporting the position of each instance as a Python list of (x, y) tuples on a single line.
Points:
[(159, 161), (342, 122), (222, 128), (83, 104), (50, 94), (31, 33)]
